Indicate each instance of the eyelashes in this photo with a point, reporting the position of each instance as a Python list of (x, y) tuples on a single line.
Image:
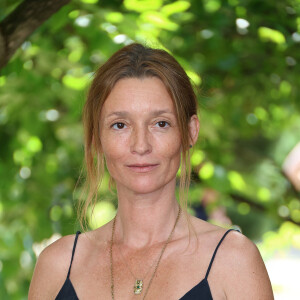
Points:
[(118, 125), (163, 124), (159, 124)]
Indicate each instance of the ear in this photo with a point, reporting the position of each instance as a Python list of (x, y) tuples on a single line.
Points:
[(194, 126)]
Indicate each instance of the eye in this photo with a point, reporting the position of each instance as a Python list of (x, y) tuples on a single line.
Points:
[(162, 124), (118, 125)]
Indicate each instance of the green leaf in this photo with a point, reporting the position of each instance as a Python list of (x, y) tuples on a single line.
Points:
[(195, 78), (264, 194), (285, 88), (34, 144), (90, 1), (211, 6), (114, 17), (236, 180), (2, 80), (175, 7), (271, 35), (197, 157), (207, 171), (76, 83), (159, 20), (142, 5)]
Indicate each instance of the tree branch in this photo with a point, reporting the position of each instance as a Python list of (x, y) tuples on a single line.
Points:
[(22, 22), (258, 206)]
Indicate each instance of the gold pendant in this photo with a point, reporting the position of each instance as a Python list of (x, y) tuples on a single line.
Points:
[(138, 286)]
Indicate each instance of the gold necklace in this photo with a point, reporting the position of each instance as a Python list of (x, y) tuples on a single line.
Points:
[(138, 283), (138, 287)]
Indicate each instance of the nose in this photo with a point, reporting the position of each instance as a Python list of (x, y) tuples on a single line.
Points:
[(140, 141)]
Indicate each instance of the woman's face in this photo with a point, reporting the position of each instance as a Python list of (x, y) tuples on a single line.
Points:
[(139, 135)]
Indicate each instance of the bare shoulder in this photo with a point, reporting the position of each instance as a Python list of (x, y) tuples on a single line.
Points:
[(53, 263), (238, 268), (240, 252), (51, 269), (240, 258)]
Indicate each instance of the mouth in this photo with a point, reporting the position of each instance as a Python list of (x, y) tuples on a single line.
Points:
[(142, 168)]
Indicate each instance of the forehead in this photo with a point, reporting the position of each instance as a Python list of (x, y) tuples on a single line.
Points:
[(138, 95)]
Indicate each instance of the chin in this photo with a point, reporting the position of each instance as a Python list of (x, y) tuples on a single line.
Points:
[(144, 187), (147, 190), (141, 185)]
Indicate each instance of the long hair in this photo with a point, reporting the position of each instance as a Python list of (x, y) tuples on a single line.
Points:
[(134, 61)]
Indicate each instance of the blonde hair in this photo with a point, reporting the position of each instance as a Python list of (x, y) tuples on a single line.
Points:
[(134, 61)]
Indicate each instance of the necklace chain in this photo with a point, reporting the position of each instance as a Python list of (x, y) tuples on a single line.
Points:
[(156, 266), (128, 267)]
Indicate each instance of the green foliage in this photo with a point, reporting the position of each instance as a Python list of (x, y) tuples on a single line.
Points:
[(242, 55)]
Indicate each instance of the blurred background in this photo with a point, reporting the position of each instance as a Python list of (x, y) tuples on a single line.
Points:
[(242, 55)]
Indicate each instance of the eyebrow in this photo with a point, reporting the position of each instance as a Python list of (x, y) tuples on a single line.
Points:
[(154, 113)]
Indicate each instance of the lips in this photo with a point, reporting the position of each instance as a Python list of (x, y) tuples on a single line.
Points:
[(142, 168)]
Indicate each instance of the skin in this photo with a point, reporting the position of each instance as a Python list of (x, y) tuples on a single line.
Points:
[(141, 143)]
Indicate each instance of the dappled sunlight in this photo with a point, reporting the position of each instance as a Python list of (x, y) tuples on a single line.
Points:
[(243, 60)]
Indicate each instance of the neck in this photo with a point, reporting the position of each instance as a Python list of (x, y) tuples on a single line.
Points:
[(145, 220)]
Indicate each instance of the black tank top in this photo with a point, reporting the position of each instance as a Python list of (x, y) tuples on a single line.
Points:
[(199, 291)]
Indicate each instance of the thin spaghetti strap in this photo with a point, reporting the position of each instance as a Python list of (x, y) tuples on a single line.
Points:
[(73, 251), (215, 252)]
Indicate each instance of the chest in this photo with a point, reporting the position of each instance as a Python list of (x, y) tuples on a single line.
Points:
[(174, 277)]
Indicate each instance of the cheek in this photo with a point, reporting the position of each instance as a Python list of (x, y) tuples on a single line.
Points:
[(113, 152), (112, 144), (172, 149)]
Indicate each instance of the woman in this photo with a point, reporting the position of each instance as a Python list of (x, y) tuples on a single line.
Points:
[(141, 117)]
